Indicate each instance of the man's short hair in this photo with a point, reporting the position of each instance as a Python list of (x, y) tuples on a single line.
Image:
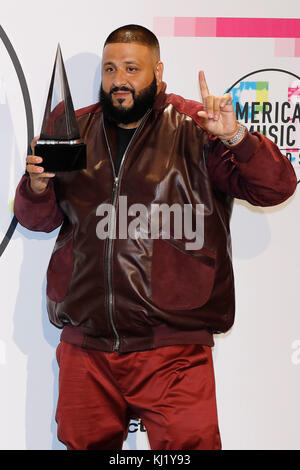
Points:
[(134, 33)]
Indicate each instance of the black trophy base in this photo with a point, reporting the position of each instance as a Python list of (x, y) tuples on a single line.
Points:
[(61, 157)]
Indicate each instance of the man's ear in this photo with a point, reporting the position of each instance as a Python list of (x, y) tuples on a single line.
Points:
[(158, 71)]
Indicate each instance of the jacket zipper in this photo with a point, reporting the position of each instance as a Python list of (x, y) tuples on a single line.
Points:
[(113, 226)]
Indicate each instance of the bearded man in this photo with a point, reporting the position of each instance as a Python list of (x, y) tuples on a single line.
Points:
[(138, 313)]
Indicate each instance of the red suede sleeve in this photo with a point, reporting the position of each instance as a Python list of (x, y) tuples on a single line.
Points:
[(37, 212), (253, 170)]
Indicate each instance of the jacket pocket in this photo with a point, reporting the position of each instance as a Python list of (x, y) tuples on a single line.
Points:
[(181, 280), (60, 268)]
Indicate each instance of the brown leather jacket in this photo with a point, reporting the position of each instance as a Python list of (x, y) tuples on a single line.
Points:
[(134, 294)]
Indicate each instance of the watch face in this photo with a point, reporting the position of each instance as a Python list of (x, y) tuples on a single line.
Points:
[(16, 131)]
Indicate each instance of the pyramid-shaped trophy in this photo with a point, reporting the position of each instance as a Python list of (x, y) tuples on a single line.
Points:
[(59, 142)]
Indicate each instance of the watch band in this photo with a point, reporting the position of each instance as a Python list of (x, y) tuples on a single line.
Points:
[(237, 138)]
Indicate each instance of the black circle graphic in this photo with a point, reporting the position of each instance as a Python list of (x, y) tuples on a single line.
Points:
[(263, 70), (29, 120)]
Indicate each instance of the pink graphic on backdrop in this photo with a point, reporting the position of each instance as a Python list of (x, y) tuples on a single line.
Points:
[(297, 47), (258, 27), (284, 47), (206, 27), (294, 92), (285, 31), (185, 27), (164, 26), (293, 96), (231, 27)]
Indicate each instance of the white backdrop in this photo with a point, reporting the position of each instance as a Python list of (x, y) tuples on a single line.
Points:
[(257, 363)]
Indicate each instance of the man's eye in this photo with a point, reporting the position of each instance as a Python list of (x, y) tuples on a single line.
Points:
[(108, 69), (131, 69)]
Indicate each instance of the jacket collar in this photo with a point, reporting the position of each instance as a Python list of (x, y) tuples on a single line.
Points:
[(160, 99)]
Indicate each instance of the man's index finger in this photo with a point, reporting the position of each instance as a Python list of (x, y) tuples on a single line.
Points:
[(203, 85)]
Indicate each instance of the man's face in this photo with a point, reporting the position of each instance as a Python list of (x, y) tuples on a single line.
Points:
[(131, 74)]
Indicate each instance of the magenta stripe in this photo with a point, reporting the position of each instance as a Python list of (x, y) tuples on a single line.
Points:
[(228, 27), (258, 27)]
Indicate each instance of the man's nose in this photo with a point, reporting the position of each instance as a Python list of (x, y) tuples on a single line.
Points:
[(120, 78)]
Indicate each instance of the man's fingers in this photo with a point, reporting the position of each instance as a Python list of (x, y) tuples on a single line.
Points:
[(33, 143), (32, 164), (38, 177), (202, 114), (216, 102), (33, 159), (39, 171), (203, 85), (225, 100), (209, 106), (47, 175), (34, 169)]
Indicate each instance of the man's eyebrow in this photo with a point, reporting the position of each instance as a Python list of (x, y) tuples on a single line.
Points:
[(109, 62)]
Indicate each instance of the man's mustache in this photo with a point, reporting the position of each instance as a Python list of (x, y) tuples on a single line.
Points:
[(122, 88)]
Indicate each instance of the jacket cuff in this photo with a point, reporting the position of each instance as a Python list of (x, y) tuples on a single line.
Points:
[(244, 150)]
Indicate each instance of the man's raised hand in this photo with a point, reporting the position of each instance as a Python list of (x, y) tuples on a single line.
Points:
[(218, 116)]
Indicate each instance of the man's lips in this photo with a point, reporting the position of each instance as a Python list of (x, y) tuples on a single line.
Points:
[(121, 94)]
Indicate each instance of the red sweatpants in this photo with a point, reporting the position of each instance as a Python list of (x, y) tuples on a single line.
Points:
[(171, 389)]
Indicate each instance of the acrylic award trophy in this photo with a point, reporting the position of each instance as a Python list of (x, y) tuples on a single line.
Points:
[(59, 142)]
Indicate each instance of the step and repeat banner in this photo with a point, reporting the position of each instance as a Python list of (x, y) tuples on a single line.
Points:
[(251, 50)]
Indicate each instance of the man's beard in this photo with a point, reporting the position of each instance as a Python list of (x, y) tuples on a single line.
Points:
[(141, 103)]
